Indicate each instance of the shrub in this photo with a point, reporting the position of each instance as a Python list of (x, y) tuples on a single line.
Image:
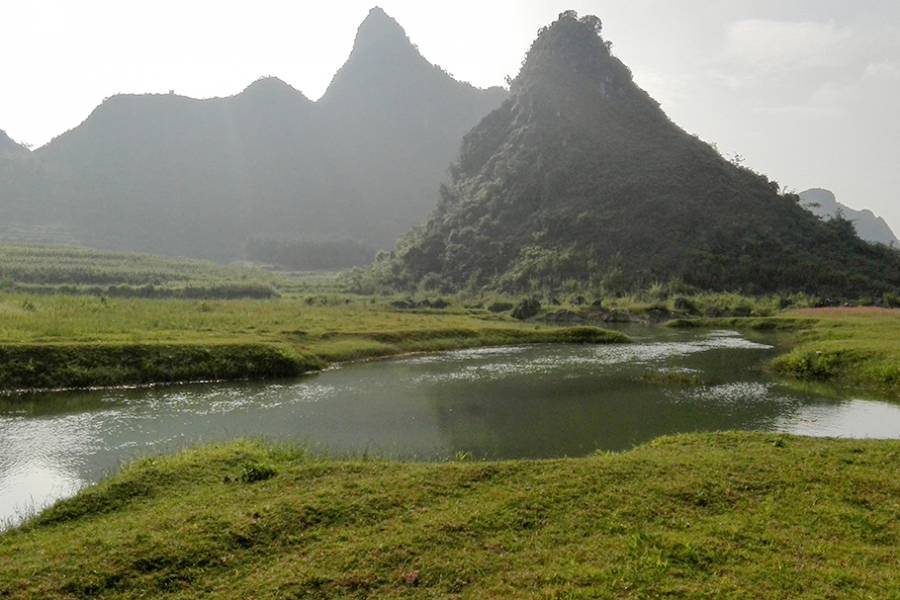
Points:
[(498, 307), (526, 309)]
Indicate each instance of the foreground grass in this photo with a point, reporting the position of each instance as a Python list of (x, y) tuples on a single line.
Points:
[(726, 515), (76, 341)]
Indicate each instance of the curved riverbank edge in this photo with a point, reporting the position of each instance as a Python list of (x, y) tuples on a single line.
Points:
[(56, 366), (734, 514), (857, 347)]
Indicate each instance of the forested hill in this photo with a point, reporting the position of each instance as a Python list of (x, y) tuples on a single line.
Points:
[(204, 178), (580, 178)]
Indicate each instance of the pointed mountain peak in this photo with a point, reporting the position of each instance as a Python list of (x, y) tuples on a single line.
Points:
[(378, 28), (570, 49), (382, 58)]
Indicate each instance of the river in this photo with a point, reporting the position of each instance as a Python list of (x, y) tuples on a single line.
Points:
[(495, 403)]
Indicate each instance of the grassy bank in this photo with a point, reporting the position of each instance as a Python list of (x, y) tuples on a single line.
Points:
[(729, 515), (70, 341), (852, 346), (855, 346)]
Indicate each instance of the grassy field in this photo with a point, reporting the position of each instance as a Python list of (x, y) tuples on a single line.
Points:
[(83, 271), (74, 317), (64, 341), (57, 341), (77, 317), (726, 515)]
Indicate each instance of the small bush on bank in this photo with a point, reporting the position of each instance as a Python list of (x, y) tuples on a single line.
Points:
[(527, 308)]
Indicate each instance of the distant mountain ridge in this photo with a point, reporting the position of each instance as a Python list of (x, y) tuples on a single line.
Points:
[(167, 174), (8, 145), (579, 180), (870, 227)]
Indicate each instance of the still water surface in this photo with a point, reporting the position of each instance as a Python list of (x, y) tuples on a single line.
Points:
[(519, 402)]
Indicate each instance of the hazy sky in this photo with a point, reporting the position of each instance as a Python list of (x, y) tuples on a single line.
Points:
[(807, 91)]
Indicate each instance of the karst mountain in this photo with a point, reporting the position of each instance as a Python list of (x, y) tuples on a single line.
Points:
[(266, 170), (580, 179), (869, 226)]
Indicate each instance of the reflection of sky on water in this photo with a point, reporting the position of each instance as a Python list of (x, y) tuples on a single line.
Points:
[(848, 419), (38, 460), (513, 402), (31, 486)]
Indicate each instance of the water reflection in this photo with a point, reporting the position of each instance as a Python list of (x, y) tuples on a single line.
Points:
[(848, 418), (522, 402)]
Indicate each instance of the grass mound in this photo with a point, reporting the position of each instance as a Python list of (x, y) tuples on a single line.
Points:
[(715, 515)]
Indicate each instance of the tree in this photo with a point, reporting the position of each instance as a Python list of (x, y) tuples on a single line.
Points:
[(593, 21)]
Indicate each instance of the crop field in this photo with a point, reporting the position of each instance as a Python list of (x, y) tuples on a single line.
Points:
[(81, 271)]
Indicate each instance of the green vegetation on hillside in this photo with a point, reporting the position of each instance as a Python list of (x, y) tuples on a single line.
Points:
[(724, 515), (579, 178)]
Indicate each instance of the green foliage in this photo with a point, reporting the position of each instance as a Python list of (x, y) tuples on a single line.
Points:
[(855, 346), (54, 366), (613, 282), (851, 346)]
